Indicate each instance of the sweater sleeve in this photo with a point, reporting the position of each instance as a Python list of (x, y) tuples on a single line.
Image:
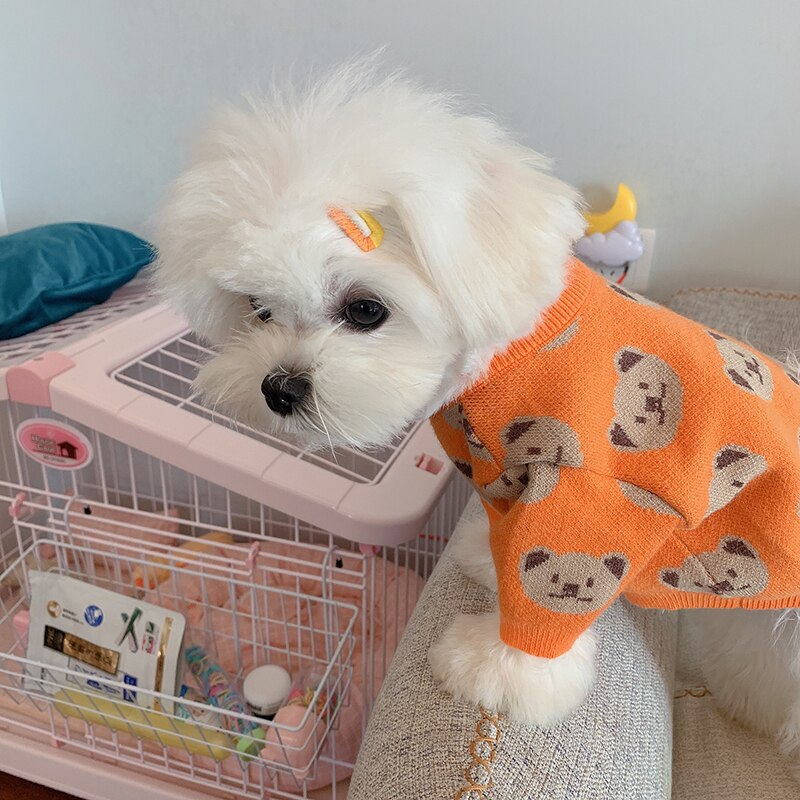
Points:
[(565, 548)]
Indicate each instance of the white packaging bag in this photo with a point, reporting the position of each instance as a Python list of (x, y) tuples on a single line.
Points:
[(103, 636)]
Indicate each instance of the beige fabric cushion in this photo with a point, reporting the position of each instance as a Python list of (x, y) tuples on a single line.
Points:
[(713, 756), (711, 752), (768, 321), (422, 744)]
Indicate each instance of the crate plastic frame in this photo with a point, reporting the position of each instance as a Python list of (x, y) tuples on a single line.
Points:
[(88, 388)]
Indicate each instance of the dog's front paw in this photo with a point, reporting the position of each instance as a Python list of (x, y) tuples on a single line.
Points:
[(471, 663), (470, 549)]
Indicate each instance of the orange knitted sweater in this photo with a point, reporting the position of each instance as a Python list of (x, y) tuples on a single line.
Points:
[(621, 448)]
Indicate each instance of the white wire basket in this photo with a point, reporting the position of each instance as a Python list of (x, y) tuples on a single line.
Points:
[(348, 531), (242, 606)]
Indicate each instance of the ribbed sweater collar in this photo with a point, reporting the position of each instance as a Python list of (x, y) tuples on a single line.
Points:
[(552, 322)]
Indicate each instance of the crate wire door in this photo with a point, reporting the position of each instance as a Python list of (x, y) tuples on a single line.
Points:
[(167, 372)]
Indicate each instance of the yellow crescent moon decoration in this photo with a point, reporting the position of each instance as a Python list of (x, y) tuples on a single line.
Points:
[(624, 208)]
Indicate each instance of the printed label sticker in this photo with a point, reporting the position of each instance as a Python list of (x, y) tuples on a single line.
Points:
[(54, 444)]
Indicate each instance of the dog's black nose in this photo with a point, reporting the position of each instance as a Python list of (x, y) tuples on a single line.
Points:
[(284, 393), (570, 590)]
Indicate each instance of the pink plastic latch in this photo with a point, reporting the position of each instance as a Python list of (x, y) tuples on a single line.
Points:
[(252, 556), (428, 464), (370, 550), (15, 509), (29, 382)]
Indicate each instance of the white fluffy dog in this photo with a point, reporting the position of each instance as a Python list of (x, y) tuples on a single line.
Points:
[(334, 346)]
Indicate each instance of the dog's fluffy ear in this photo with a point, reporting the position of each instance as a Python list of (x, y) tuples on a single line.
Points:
[(492, 229)]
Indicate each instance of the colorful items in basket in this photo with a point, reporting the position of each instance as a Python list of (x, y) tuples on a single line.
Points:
[(298, 730), (151, 576), (204, 738), (197, 709), (219, 691), (102, 642), (156, 726)]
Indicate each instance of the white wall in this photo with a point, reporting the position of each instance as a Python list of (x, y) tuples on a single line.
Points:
[(695, 103)]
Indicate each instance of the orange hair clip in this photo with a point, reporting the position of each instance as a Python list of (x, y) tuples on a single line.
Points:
[(359, 226)]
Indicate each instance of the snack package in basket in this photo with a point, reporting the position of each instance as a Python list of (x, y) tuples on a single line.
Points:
[(104, 636)]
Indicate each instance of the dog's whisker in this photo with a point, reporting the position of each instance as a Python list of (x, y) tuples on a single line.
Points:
[(221, 397), (322, 421), (343, 434)]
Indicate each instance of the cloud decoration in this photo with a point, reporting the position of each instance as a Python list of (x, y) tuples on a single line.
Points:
[(621, 244)]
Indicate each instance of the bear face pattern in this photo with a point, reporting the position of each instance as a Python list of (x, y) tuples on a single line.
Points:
[(572, 583), (509, 485), (452, 416), (644, 499), (648, 402), (477, 448), (536, 449), (463, 467), (744, 368), (528, 484), (530, 440), (732, 569), (455, 417), (734, 468), (563, 338)]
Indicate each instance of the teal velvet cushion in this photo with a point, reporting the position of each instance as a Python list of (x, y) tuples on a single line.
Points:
[(52, 272)]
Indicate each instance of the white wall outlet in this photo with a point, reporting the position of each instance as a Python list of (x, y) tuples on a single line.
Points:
[(638, 275)]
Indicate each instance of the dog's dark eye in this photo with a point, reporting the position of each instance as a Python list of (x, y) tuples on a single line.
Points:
[(366, 314), (264, 314)]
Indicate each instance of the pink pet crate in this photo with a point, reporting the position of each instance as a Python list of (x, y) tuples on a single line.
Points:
[(109, 466)]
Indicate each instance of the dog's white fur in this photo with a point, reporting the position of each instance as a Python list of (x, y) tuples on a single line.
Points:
[(458, 199), (752, 665), (471, 551), (471, 662), (477, 234)]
